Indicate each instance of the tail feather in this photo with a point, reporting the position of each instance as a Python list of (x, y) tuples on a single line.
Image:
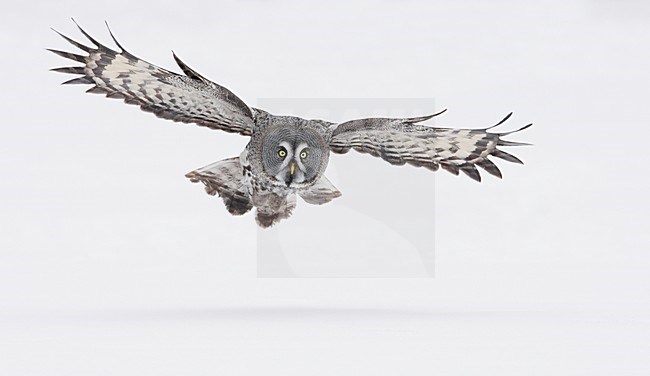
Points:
[(271, 208)]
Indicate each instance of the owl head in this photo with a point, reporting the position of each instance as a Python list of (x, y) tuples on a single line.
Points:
[(294, 157)]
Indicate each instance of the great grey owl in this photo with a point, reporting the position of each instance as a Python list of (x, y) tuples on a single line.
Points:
[(286, 155)]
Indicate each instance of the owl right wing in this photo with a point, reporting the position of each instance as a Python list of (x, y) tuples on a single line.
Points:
[(404, 141), (189, 99), (226, 179)]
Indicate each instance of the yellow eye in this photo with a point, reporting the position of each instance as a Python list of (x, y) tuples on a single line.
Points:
[(303, 154), (282, 153)]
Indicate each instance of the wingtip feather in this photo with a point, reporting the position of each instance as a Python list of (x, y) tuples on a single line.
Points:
[(189, 72), (72, 41), (110, 32), (500, 122), (518, 130), (85, 80), (70, 70), (471, 171), (506, 156), (512, 143), (91, 39), (419, 119), (490, 168), (68, 55)]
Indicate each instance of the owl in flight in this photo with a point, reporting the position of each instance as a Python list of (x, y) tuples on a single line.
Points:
[(286, 155)]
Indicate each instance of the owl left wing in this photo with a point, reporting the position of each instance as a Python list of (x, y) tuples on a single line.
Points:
[(189, 99), (402, 141)]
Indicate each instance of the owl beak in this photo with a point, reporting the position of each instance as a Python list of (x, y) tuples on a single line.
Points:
[(292, 168), (292, 171)]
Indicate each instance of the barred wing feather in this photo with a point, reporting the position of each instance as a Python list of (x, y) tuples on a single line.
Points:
[(189, 99), (404, 141)]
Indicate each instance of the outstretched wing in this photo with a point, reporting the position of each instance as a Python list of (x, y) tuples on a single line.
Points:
[(188, 99), (401, 141)]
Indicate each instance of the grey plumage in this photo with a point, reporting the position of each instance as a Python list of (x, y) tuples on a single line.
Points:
[(286, 155)]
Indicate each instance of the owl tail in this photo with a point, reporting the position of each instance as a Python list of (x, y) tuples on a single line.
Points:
[(272, 207), (226, 179)]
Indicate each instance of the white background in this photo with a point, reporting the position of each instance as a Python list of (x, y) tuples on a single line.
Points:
[(111, 263)]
